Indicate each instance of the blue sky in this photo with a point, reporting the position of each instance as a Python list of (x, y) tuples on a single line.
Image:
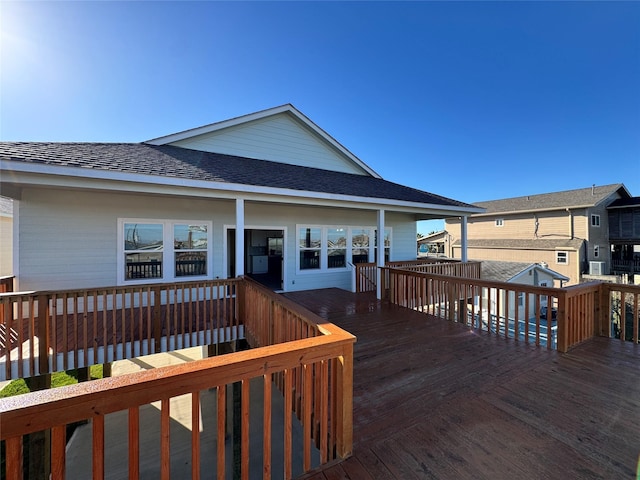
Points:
[(474, 101)]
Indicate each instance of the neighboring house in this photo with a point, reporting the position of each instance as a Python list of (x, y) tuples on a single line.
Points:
[(624, 236), (567, 230), (539, 275), (6, 236), (526, 274), (432, 244), (100, 214)]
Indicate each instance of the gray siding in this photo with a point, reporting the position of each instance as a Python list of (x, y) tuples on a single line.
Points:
[(69, 239), (278, 138)]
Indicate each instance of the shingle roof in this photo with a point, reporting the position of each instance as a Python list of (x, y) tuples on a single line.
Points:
[(497, 271), (520, 244), (582, 197), (171, 161)]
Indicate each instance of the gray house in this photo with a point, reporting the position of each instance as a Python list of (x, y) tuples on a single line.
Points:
[(170, 209)]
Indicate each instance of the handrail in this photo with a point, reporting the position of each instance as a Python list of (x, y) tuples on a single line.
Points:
[(366, 273), (6, 283), (510, 310), (623, 301), (50, 331), (579, 312), (313, 370)]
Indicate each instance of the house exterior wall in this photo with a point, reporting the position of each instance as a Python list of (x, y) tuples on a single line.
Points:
[(70, 239), (599, 236), (278, 138), (6, 245), (552, 224)]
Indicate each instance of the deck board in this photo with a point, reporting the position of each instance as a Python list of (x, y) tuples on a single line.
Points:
[(433, 399)]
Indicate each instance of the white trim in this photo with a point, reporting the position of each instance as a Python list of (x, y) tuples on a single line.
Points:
[(287, 108), (75, 177), (168, 250), (595, 216), (464, 234), (566, 256), (380, 247), (15, 225), (240, 246)]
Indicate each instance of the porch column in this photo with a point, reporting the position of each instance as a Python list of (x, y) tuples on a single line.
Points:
[(380, 253), (463, 240), (239, 237)]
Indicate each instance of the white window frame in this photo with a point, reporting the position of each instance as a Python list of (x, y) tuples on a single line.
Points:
[(168, 251), (596, 251), (595, 220), (560, 254), (324, 249), (499, 222)]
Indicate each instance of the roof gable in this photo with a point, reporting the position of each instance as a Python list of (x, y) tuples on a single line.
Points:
[(513, 272), (579, 198), (281, 134)]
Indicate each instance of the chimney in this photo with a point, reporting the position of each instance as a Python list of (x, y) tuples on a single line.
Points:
[(593, 189)]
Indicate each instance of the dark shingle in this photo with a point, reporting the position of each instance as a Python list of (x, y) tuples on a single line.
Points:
[(497, 271), (171, 161), (520, 244), (581, 197)]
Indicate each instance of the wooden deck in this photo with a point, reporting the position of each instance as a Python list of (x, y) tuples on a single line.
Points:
[(433, 399)]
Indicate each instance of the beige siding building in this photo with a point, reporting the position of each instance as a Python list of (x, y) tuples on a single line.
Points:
[(568, 231)]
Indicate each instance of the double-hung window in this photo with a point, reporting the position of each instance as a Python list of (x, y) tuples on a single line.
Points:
[(562, 257), (163, 250)]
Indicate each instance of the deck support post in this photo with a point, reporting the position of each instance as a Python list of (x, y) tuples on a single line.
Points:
[(239, 237), (463, 239), (380, 257)]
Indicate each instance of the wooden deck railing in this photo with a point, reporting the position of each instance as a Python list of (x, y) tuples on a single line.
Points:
[(623, 301), (308, 360), (6, 284), (553, 317), (56, 331), (366, 273)]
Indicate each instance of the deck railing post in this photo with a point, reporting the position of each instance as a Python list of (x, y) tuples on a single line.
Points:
[(344, 434), (603, 310), (450, 302), (43, 334), (563, 318), (241, 298), (157, 318)]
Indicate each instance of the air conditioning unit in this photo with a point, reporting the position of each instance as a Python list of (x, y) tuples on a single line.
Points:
[(596, 268)]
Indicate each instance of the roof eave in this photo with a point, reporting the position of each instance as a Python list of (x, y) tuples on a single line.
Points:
[(67, 175)]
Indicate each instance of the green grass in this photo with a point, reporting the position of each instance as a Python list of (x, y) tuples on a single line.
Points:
[(59, 379)]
